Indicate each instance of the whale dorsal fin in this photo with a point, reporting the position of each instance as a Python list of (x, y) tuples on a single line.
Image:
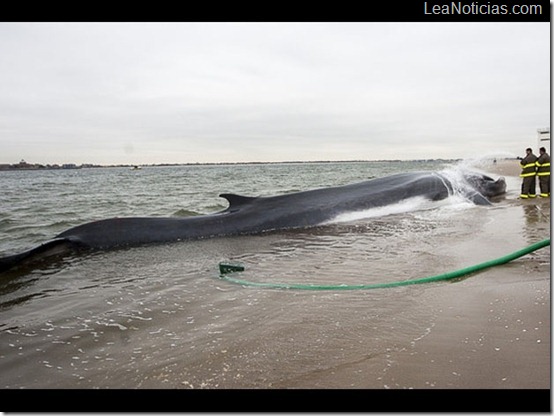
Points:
[(236, 201)]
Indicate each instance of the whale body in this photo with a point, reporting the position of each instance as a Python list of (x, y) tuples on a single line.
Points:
[(253, 215)]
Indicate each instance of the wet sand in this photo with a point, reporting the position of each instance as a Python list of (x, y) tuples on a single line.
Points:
[(492, 332), (495, 331)]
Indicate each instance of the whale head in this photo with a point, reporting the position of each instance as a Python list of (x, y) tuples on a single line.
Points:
[(486, 185)]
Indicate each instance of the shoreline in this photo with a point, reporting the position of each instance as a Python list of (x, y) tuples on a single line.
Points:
[(37, 166)]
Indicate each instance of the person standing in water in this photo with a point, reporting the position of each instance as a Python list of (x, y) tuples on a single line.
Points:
[(528, 173), (543, 172)]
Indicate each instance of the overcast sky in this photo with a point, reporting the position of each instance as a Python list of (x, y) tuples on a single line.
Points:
[(137, 93)]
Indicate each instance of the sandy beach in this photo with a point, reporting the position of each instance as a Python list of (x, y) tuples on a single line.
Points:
[(505, 167)]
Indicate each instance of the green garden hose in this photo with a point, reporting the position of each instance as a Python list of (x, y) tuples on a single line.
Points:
[(227, 269)]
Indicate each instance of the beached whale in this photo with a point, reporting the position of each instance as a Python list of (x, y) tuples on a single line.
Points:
[(252, 215)]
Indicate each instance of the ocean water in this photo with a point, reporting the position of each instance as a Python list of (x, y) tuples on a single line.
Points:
[(159, 317)]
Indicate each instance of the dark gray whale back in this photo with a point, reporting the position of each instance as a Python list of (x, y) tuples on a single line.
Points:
[(251, 215)]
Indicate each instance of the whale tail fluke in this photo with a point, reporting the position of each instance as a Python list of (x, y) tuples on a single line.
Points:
[(48, 249)]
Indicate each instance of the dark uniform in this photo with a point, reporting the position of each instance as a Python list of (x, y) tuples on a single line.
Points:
[(528, 173), (543, 172)]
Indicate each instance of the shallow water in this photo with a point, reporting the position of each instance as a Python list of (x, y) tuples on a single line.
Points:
[(159, 316)]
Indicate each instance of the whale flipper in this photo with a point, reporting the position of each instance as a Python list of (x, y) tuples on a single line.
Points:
[(477, 198)]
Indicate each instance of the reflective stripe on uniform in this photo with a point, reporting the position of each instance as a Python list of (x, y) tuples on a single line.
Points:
[(543, 168), (528, 170)]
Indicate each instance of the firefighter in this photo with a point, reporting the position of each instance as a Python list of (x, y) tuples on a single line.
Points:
[(528, 173), (543, 172)]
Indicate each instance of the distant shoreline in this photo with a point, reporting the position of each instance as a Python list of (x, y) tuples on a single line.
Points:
[(37, 166)]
